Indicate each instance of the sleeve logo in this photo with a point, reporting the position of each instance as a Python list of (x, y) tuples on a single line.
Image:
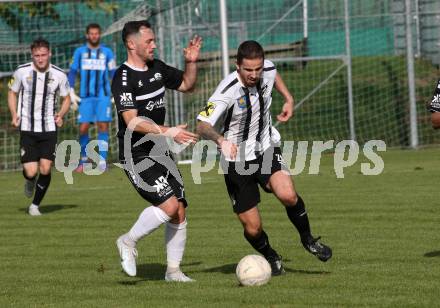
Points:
[(11, 82), (208, 110), (126, 99)]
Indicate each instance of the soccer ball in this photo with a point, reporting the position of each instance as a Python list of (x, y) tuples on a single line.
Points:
[(253, 270)]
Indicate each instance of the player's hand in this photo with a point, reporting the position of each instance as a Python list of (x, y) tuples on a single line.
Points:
[(58, 120), (228, 148), (15, 121), (181, 135), (192, 51), (74, 99), (286, 112)]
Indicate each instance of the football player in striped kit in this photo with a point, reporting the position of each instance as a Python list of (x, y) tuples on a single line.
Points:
[(434, 107), (95, 64), (34, 91), (241, 105)]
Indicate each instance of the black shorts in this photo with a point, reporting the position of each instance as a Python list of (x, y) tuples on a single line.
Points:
[(158, 182), (243, 186), (34, 146)]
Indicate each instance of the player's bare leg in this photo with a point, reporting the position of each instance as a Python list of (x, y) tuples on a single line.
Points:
[(281, 184), (255, 235)]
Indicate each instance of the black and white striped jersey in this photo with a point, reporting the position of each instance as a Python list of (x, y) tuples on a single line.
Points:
[(434, 106), (38, 94), (242, 113), (144, 91)]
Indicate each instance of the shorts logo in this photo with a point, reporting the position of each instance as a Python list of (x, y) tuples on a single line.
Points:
[(162, 186), (22, 152), (280, 159), (126, 99), (207, 111), (241, 102)]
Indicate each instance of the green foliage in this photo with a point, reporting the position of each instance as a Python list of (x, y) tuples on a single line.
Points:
[(12, 12)]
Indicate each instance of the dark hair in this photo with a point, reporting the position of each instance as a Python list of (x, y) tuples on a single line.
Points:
[(93, 26), (133, 27), (249, 50), (40, 42)]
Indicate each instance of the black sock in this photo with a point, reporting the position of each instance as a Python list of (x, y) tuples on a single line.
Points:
[(298, 216), (28, 178), (41, 188), (261, 244)]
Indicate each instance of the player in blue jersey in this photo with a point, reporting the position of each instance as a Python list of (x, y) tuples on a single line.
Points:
[(95, 64)]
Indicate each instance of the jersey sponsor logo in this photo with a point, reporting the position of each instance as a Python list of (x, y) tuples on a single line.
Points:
[(208, 110), (50, 80), (157, 76), (242, 102), (140, 84), (126, 99), (93, 64), (154, 104)]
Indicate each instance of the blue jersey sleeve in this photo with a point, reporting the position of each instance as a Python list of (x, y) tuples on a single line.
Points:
[(111, 63), (74, 67)]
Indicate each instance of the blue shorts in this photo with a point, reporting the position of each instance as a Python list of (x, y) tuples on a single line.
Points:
[(95, 109)]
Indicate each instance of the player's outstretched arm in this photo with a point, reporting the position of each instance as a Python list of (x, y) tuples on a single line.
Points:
[(12, 105), (191, 54), (287, 110), (206, 131), (146, 126)]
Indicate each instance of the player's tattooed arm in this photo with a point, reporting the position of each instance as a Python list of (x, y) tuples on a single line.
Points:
[(206, 131)]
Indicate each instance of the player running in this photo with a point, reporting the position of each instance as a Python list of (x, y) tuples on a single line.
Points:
[(241, 104)]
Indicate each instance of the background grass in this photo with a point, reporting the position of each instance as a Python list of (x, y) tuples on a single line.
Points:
[(383, 230)]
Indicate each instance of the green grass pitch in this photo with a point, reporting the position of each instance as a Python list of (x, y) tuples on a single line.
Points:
[(384, 231)]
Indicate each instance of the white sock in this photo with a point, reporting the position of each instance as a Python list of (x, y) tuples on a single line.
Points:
[(175, 240), (149, 220)]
